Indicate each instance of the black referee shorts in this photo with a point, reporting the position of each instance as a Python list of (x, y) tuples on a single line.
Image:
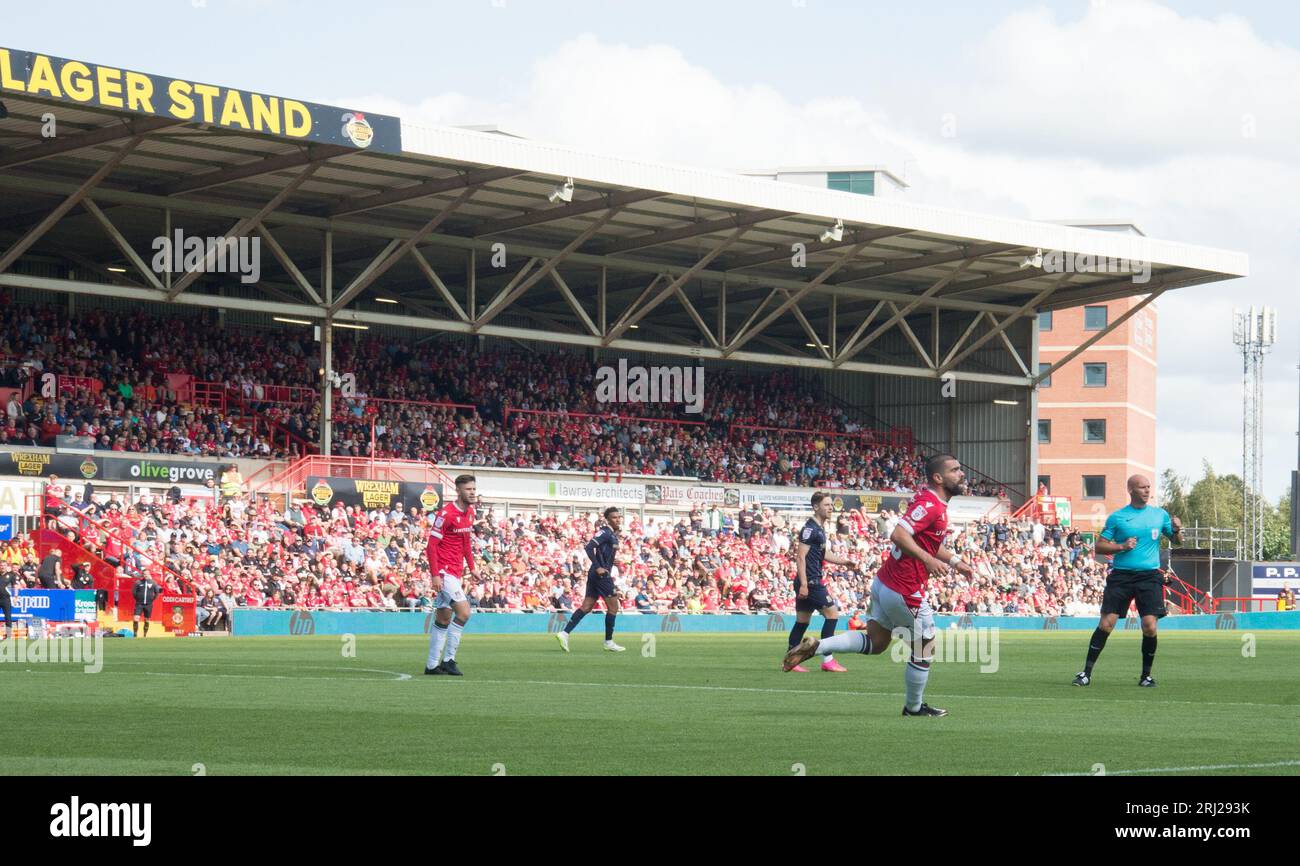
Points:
[(1147, 588)]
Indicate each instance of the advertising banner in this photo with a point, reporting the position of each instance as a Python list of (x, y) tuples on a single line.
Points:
[(55, 605), (802, 499), (1269, 578), (578, 491), (88, 467), (367, 494), (44, 76), (682, 494)]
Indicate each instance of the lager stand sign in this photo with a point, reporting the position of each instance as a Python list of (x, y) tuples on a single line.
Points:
[(1063, 511)]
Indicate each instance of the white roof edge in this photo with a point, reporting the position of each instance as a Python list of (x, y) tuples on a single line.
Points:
[(829, 169), (563, 161), (1084, 223)]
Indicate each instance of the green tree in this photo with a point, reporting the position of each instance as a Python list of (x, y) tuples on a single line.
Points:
[(1277, 529), (1214, 500), (1173, 494)]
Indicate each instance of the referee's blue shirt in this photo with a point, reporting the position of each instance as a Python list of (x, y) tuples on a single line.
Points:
[(1145, 524)]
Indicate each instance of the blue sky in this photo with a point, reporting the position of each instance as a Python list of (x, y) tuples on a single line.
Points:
[(1180, 116)]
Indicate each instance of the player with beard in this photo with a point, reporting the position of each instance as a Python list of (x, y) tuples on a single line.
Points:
[(898, 592), (450, 552)]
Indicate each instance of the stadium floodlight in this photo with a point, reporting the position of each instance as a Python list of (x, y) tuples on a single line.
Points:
[(116, 270), (1007, 402), (290, 321), (1253, 332), (1034, 261), (563, 192), (386, 300), (834, 233), (351, 326)]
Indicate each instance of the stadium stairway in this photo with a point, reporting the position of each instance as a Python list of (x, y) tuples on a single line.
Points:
[(106, 578)]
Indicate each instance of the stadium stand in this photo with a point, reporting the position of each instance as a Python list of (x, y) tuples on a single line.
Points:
[(137, 383), (241, 553)]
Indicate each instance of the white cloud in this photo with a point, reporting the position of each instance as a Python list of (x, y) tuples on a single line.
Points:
[(1131, 111)]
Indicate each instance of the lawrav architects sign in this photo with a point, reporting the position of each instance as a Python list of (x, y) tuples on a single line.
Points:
[(43, 76), (570, 491)]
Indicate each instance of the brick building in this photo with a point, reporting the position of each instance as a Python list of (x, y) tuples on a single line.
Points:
[(1097, 414)]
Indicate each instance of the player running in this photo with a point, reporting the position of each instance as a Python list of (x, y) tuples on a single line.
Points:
[(898, 592), (1132, 536), (450, 550), (600, 583), (810, 592)]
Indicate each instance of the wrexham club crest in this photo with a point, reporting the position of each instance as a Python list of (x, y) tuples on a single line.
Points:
[(322, 493), (357, 130)]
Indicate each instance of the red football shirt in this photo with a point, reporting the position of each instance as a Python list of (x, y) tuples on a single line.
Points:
[(449, 546), (927, 520)]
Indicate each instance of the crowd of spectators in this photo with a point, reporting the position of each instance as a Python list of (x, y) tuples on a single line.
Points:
[(241, 552), (118, 365), (428, 401)]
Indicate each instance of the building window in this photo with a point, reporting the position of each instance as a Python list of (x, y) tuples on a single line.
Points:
[(1094, 487), (1044, 432), (1045, 483), (1045, 320), (1095, 318), (1094, 375), (1094, 430), (1043, 368), (861, 182)]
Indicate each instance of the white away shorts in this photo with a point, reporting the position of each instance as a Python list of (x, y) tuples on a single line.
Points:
[(451, 593), (890, 610)]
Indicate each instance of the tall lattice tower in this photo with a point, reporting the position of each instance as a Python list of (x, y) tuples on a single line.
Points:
[(1253, 332)]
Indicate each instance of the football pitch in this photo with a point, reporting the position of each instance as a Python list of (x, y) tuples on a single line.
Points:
[(672, 704)]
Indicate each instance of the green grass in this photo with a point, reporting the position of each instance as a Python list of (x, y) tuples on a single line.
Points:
[(703, 704)]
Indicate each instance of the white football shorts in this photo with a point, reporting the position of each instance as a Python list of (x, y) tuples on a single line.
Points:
[(890, 609), (451, 593)]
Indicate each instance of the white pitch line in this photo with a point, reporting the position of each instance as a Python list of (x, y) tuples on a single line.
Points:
[(859, 694), (1202, 768), (399, 677)]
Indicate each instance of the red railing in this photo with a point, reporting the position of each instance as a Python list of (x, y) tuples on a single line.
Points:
[(609, 416), (68, 386), (1194, 600), (430, 404), (1245, 604), (227, 398), (294, 476), (106, 575), (895, 437), (1039, 508)]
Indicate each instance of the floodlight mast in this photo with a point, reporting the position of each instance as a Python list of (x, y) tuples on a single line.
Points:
[(1254, 333)]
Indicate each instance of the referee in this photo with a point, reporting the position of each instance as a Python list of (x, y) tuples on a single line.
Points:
[(1132, 537)]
